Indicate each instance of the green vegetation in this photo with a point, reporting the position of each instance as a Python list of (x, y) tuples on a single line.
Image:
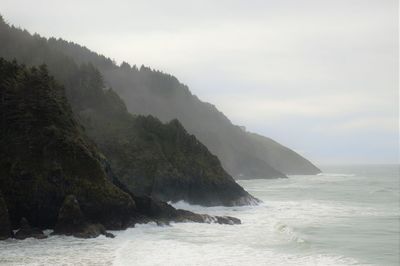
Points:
[(45, 155), (149, 92), (148, 157)]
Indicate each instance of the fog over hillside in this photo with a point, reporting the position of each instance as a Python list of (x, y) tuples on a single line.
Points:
[(320, 77)]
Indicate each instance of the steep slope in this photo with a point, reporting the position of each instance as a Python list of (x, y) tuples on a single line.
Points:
[(154, 93), (151, 158), (148, 157), (151, 92), (281, 157), (44, 156)]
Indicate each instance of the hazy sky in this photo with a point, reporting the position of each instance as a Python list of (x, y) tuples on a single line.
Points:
[(318, 76)]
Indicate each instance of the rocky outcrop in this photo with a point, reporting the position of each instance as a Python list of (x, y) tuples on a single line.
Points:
[(163, 213), (26, 231), (5, 225), (72, 222)]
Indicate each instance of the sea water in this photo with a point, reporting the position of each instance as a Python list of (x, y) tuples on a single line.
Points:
[(349, 215)]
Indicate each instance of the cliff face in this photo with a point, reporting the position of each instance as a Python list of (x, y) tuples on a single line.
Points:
[(44, 156), (149, 157)]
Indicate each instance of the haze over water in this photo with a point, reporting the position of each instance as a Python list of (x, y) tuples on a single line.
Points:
[(348, 215)]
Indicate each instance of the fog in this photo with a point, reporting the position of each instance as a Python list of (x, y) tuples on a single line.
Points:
[(318, 76)]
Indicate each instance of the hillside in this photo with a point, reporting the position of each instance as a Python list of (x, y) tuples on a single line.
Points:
[(150, 158), (150, 92), (45, 156)]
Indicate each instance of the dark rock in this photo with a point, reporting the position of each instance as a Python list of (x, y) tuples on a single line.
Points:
[(184, 216), (108, 234), (5, 225), (92, 231), (72, 222), (163, 213), (228, 220), (70, 217), (26, 231)]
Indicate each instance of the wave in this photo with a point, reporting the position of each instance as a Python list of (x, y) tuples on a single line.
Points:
[(335, 175), (288, 231)]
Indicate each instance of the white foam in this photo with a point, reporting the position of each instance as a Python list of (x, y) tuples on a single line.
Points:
[(272, 233), (335, 175)]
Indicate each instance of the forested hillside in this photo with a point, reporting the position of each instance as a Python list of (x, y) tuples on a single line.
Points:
[(149, 157)]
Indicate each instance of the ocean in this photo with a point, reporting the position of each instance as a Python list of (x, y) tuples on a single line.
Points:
[(349, 215)]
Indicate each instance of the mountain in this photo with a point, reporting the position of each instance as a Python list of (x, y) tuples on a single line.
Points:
[(53, 176), (148, 157), (150, 92)]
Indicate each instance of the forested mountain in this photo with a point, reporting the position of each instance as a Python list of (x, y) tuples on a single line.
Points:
[(146, 91), (53, 176), (150, 158), (45, 156), (149, 92)]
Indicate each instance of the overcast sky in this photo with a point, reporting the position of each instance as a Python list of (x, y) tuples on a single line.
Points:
[(318, 76)]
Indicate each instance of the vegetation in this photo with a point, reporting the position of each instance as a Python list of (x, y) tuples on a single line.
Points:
[(150, 92), (147, 156), (45, 155)]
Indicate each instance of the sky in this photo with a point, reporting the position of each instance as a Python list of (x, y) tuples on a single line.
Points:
[(319, 76)]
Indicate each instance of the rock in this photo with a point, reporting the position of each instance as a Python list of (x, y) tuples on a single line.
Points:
[(27, 231), (228, 220), (92, 231), (70, 217), (184, 216), (5, 225), (163, 213), (247, 200), (72, 222)]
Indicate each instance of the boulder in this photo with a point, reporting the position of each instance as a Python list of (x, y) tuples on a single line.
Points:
[(70, 217), (184, 216), (72, 222), (5, 225), (92, 231), (26, 231)]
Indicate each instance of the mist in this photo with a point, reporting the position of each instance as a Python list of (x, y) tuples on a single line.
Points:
[(320, 77)]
